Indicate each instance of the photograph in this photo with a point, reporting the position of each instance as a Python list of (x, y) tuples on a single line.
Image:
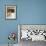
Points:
[(10, 12)]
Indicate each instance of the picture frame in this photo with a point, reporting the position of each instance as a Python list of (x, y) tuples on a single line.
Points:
[(10, 12)]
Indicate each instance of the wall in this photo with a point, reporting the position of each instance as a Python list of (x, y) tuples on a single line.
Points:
[(7, 26), (33, 12), (28, 12)]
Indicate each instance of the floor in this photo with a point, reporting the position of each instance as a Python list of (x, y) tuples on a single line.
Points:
[(7, 45), (30, 43)]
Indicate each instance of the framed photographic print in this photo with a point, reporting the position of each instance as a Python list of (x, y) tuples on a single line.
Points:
[(10, 12)]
